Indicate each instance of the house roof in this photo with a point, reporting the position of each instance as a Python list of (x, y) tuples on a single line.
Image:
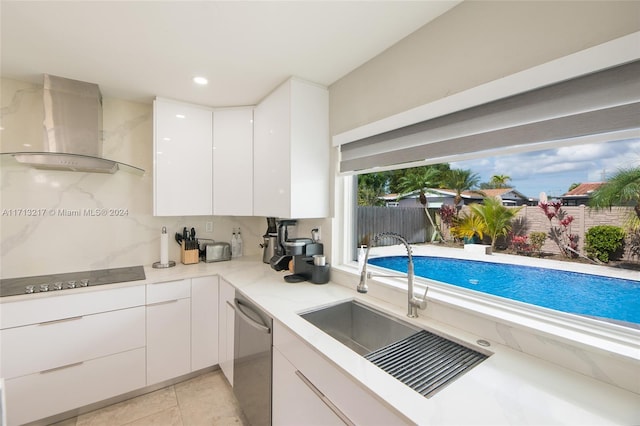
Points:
[(451, 193), (583, 190)]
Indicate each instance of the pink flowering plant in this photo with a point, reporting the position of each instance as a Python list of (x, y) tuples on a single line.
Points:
[(520, 244), (447, 215), (560, 228)]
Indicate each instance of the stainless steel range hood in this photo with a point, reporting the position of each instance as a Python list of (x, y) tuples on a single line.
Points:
[(72, 130)]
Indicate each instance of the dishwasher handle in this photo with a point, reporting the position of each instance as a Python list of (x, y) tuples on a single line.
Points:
[(239, 306)]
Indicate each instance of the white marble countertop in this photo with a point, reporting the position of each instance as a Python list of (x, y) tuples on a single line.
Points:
[(509, 387)]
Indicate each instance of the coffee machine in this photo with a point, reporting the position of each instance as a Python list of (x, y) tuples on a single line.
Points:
[(297, 256)]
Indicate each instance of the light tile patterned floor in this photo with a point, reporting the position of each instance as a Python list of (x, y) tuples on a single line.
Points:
[(206, 400)]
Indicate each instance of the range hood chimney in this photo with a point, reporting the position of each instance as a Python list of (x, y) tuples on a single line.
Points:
[(72, 130)]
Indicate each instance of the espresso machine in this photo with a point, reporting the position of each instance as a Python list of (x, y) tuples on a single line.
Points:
[(304, 257)]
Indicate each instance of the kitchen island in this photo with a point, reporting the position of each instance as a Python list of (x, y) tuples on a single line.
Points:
[(510, 387)]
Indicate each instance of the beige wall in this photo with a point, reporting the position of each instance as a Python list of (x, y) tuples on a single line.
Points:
[(474, 43)]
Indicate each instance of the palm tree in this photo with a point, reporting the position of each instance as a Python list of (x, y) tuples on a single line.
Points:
[(460, 180), (421, 179), (620, 189), (499, 181), (497, 218)]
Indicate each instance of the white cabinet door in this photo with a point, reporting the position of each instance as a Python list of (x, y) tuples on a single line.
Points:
[(226, 325), (272, 165), (168, 340), (291, 152), (204, 322), (296, 401), (183, 159), (233, 162)]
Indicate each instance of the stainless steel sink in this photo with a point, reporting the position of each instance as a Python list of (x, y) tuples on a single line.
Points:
[(359, 327), (422, 360)]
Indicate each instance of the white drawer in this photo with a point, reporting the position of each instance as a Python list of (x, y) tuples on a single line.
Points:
[(65, 305), (352, 399), (41, 395), (172, 290), (40, 347)]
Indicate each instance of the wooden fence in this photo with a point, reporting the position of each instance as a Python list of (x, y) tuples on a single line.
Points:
[(411, 223)]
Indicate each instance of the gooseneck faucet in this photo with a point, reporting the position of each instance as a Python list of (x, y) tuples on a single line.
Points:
[(413, 302)]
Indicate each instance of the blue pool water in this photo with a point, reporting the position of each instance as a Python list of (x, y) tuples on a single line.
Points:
[(572, 292)]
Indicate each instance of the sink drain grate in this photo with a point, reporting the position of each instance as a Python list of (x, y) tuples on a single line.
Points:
[(425, 361)]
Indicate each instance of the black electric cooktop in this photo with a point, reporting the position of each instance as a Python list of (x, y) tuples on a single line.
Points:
[(58, 282)]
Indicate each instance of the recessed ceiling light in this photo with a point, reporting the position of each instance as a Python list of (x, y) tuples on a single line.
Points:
[(180, 115), (200, 80)]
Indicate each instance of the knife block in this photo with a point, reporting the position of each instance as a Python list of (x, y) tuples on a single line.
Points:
[(189, 257)]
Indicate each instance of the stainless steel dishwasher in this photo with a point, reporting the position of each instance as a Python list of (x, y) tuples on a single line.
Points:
[(252, 361)]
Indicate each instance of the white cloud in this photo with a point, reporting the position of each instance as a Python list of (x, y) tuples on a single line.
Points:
[(555, 170)]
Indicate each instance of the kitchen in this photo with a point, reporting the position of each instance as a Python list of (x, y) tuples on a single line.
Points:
[(42, 245)]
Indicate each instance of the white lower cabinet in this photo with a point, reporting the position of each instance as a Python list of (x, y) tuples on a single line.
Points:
[(333, 388), (226, 324), (296, 401), (168, 330), (204, 322), (62, 352), (66, 351)]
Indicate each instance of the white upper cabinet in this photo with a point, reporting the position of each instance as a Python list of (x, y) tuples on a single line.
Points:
[(233, 162), (291, 152), (183, 160)]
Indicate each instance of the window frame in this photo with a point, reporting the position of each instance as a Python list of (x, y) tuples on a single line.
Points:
[(585, 331)]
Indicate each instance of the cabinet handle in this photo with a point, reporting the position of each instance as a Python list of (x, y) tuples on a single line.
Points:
[(231, 306), (240, 314), (162, 303), (324, 399), (51, 370), (61, 320)]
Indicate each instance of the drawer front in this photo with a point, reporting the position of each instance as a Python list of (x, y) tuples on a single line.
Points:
[(172, 290), (295, 402), (39, 347), (41, 395), (25, 312), (358, 405)]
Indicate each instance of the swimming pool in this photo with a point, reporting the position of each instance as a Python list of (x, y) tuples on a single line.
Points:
[(592, 295)]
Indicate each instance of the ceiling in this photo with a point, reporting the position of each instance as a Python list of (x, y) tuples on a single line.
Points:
[(139, 50)]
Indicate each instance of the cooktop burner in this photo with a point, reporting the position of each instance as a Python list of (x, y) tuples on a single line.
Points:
[(57, 282)]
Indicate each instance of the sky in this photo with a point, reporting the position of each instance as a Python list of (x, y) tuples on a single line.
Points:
[(554, 170)]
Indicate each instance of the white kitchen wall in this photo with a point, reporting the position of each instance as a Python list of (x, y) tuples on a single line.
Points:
[(53, 242), (473, 43)]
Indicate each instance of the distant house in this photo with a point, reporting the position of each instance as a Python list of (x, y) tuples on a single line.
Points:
[(437, 197), (580, 194)]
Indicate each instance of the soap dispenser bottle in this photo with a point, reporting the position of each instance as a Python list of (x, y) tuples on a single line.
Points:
[(234, 244), (239, 243)]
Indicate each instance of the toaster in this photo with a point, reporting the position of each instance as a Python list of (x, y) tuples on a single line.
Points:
[(217, 252)]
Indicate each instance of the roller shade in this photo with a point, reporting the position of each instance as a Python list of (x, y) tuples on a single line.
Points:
[(604, 102)]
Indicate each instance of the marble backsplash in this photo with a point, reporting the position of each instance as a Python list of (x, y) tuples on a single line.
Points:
[(48, 221)]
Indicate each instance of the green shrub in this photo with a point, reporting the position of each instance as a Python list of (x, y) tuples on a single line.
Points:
[(602, 241), (536, 240)]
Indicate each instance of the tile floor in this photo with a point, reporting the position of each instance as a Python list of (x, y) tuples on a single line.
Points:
[(206, 400)]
